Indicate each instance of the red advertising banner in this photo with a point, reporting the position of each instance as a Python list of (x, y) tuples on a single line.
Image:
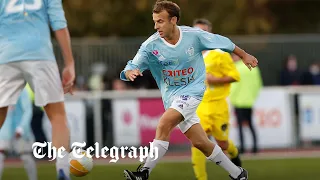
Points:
[(151, 111)]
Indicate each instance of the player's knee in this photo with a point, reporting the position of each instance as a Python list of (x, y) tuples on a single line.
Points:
[(58, 120), (223, 144), (163, 132), (55, 111), (200, 144), (164, 128)]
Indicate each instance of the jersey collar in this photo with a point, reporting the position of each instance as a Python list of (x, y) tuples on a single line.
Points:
[(171, 45)]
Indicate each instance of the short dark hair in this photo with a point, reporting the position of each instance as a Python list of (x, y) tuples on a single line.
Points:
[(172, 8), (203, 22)]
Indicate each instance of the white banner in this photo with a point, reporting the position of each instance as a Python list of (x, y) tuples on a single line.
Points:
[(309, 108), (125, 122), (272, 121), (76, 115)]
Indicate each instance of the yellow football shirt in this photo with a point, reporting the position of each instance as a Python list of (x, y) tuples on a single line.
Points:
[(219, 64)]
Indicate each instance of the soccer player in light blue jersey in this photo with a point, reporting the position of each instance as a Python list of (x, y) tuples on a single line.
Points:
[(16, 134), (174, 56), (26, 55)]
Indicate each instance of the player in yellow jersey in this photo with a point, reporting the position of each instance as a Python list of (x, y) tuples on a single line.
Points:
[(213, 111)]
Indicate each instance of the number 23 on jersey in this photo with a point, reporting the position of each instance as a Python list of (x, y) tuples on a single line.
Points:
[(18, 6)]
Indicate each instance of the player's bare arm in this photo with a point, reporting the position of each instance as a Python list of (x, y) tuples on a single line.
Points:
[(212, 80), (249, 60), (68, 74), (133, 74)]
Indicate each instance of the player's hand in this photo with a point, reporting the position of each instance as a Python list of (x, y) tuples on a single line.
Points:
[(250, 61), (68, 76), (133, 74)]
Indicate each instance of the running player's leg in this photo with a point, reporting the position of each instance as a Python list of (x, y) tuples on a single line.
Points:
[(4, 146), (23, 146), (226, 143), (199, 164), (23, 139), (167, 123), (199, 139), (11, 84), (44, 79), (6, 136), (199, 160), (169, 120), (213, 152), (221, 127)]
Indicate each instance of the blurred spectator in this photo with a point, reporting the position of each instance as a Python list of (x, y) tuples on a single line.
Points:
[(80, 84), (96, 82), (96, 79), (290, 74), (243, 96), (107, 81), (119, 85), (312, 76)]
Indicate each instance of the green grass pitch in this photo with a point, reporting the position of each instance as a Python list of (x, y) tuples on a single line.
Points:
[(280, 169)]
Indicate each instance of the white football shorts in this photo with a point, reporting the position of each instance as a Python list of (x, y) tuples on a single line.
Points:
[(42, 76), (187, 106)]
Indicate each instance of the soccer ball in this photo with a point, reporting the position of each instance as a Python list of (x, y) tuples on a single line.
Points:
[(80, 166)]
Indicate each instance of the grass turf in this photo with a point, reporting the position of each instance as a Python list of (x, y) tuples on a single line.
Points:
[(280, 169)]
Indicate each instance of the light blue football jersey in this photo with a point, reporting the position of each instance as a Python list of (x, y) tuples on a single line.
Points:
[(178, 69), (25, 29), (19, 116)]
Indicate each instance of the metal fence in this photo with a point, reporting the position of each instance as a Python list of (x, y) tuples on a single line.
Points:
[(270, 50)]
